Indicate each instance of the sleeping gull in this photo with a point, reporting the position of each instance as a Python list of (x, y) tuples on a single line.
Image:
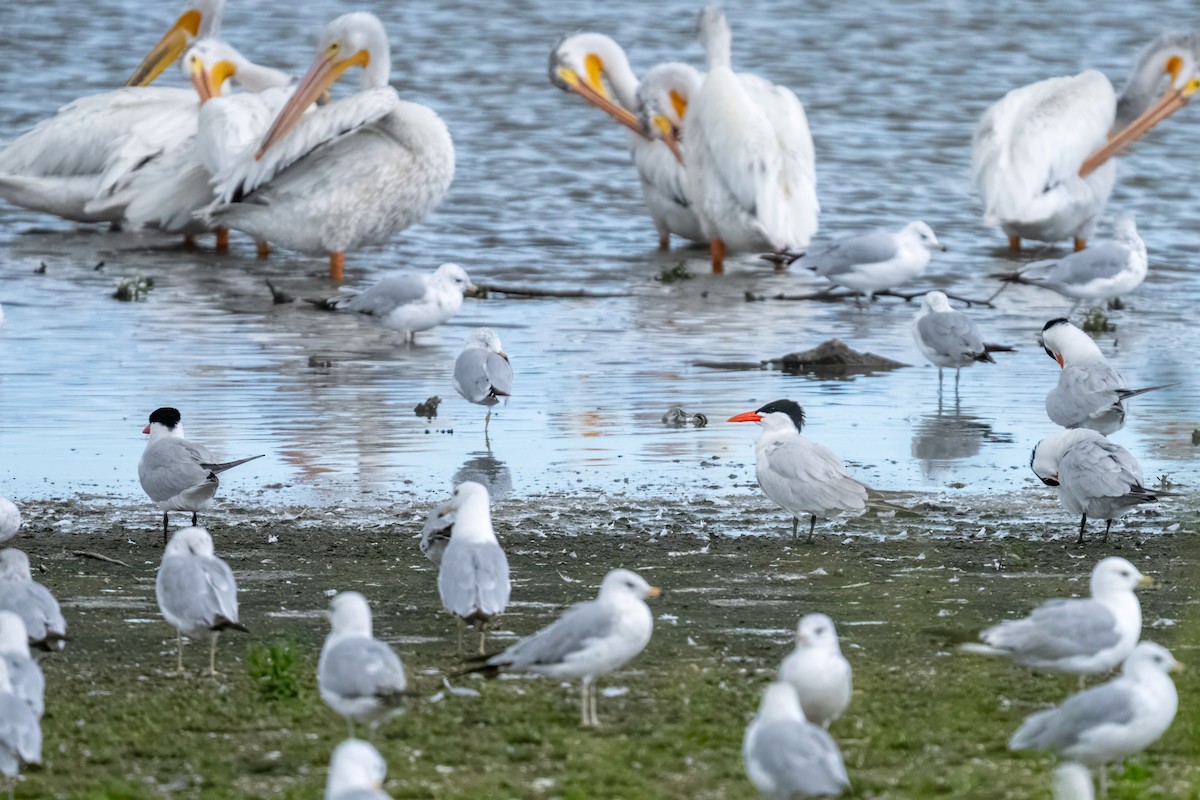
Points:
[(356, 772), (358, 676), (874, 262), (1100, 273), (20, 731), (196, 592), (482, 374), (590, 639), (408, 302), (473, 574), (1111, 721), (948, 338), (1085, 635), (10, 519), (818, 671), (31, 601), (178, 475), (26, 676), (786, 756), (1090, 393), (1094, 477), (436, 532)]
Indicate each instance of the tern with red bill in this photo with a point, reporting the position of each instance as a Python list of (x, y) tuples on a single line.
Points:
[(178, 475), (1042, 155), (803, 477), (351, 173), (1090, 393)]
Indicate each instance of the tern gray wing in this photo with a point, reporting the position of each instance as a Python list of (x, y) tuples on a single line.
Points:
[(1100, 468), (170, 466), (842, 255), (951, 333), (803, 759), (386, 296), (362, 668), (482, 376), (1084, 391), (1058, 629), (571, 633), (473, 579), (803, 476), (1059, 728), (200, 590)]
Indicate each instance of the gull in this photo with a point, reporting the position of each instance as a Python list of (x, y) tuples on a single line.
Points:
[(473, 573), (1098, 274), (786, 756), (1085, 635), (26, 676), (803, 477), (20, 731), (359, 677), (178, 475), (1090, 393), (949, 338), (407, 302), (590, 639), (1072, 781), (31, 601), (196, 592), (356, 772), (1111, 721), (10, 519), (436, 533), (482, 374), (818, 671), (874, 262), (1093, 476)]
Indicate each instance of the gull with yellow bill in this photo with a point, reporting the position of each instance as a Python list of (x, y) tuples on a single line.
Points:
[(351, 173)]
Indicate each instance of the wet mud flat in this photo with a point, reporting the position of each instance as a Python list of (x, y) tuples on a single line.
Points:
[(926, 721)]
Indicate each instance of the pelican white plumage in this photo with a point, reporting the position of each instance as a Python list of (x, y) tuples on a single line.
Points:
[(61, 165), (596, 68), (751, 168), (1041, 155), (351, 173)]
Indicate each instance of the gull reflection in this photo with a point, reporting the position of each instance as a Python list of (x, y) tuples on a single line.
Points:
[(950, 435), (483, 467)]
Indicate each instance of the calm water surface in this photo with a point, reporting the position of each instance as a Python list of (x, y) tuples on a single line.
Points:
[(545, 194)]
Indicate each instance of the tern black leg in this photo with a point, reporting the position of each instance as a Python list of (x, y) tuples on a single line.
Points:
[(1107, 525), (194, 519), (1082, 525), (166, 527), (812, 525)]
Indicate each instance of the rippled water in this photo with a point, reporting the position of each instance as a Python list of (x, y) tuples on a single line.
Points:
[(545, 194)]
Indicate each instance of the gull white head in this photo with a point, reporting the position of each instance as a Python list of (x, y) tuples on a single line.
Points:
[(164, 422), (816, 632), (10, 519), (715, 37), (14, 566), (924, 234), (778, 415), (627, 583), (662, 101), (1125, 227), (355, 765), (1150, 657), (350, 615), (1115, 575), (14, 639), (780, 701), (486, 338), (1063, 342), (472, 511), (595, 67), (454, 276), (352, 40), (1049, 451), (190, 542), (202, 19), (935, 302)]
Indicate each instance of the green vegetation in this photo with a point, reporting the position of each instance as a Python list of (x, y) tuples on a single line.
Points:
[(1096, 321), (276, 670), (675, 274)]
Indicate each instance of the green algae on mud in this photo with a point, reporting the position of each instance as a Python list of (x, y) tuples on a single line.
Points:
[(926, 721)]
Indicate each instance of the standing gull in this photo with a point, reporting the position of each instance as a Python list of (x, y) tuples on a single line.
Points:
[(1094, 477), (1089, 393), (31, 601), (1113, 720), (787, 757), (473, 574), (407, 302), (26, 676), (1101, 273), (436, 533), (178, 475), (356, 772), (359, 677), (948, 338), (482, 374), (20, 731), (818, 671), (874, 262), (1085, 636), (196, 592), (10, 519), (590, 639)]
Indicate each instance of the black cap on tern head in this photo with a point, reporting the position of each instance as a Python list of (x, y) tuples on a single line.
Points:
[(167, 417), (1042, 339), (789, 407)]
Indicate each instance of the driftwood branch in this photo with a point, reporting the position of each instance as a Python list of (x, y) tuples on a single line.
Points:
[(483, 290), (829, 295), (98, 557)]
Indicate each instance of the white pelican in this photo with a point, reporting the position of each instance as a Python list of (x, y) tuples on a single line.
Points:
[(350, 173), (65, 161), (166, 192), (1041, 154), (596, 68), (751, 175)]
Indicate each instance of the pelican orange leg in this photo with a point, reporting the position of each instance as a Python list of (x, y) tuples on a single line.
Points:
[(718, 256), (222, 240), (337, 264)]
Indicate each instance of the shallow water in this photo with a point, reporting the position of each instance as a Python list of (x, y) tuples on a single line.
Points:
[(545, 194)]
